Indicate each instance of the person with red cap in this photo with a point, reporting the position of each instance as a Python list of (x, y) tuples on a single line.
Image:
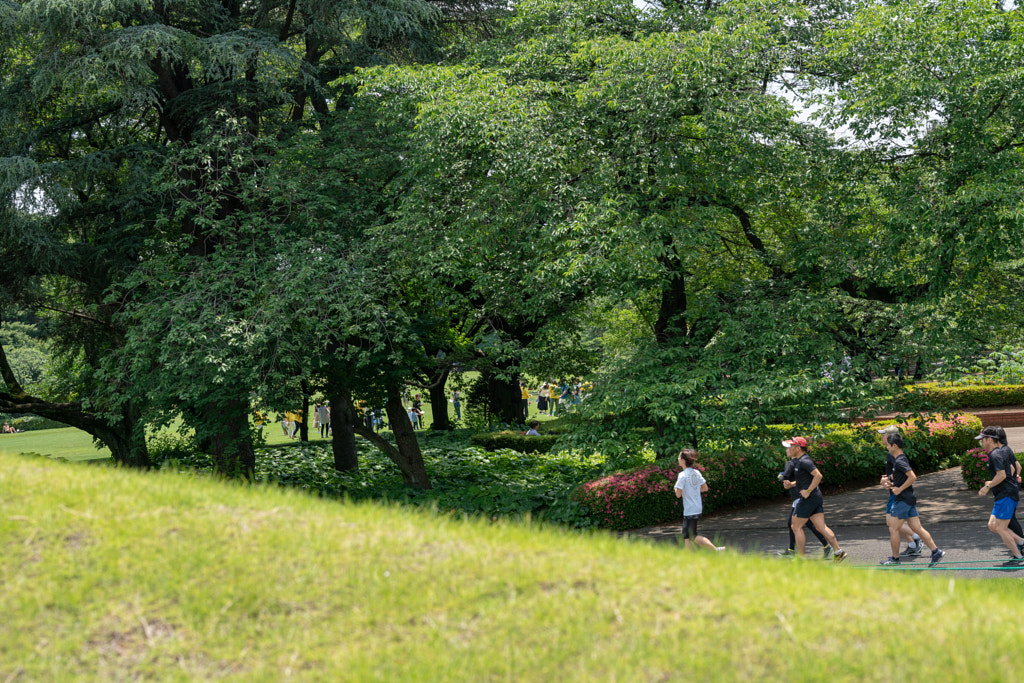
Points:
[(811, 505)]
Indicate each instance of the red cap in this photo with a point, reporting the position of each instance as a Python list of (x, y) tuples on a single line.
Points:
[(797, 441)]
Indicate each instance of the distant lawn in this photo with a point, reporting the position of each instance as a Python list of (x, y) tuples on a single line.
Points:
[(114, 575), (67, 443)]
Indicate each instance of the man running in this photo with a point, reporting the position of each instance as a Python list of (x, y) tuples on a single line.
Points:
[(786, 477), (904, 507), (1003, 484), (812, 504)]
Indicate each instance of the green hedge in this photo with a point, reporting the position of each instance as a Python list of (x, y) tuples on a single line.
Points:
[(974, 396), (850, 455), (517, 441)]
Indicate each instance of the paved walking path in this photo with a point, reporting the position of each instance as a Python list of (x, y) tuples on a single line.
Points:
[(956, 517)]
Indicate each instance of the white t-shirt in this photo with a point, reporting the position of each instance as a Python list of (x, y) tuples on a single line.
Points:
[(689, 482)]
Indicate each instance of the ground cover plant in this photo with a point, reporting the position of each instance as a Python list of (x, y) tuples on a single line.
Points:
[(466, 479), (110, 575)]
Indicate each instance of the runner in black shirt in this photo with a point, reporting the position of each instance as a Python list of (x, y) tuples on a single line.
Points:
[(904, 508), (1002, 470), (811, 507)]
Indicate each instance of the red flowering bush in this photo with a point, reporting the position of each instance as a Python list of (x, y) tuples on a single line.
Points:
[(974, 467)]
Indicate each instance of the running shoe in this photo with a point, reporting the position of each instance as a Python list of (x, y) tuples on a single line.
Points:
[(788, 552), (1014, 562), (827, 551), (720, 548), (840, 555), (937, 555), (890, 560), (913, 550)]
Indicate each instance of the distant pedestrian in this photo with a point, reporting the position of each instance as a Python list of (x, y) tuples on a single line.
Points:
[(324, 411), (532, 431), (524, 393), (812, 506), (1005, 488), (690, 484), (414, 418), (904, 509), (457, 402)]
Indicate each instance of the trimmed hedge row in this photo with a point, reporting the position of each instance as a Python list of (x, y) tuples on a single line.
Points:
[(974, 396), (517, 441), (643, 496)]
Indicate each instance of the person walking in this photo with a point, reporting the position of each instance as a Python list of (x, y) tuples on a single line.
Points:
[(457, 402), (811, 507), (324, 413), (904, 508), (690, 484), (1005, 489)]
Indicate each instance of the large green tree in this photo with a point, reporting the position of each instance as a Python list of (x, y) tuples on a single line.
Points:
[(132, 131)]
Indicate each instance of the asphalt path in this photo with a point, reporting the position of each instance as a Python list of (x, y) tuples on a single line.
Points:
[(956, 517)]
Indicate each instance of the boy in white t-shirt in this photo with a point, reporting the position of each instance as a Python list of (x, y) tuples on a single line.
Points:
[(690, 484)]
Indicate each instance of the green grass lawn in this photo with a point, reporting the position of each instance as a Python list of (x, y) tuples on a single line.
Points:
[(67, 443), (114, 575)]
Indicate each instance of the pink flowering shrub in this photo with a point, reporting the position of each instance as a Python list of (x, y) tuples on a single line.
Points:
[(974, 468), (644, 497)]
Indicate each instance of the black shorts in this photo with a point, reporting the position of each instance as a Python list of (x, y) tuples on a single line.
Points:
[(806, 508)]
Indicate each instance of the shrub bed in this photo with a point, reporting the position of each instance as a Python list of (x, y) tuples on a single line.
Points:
[(974, 468), (848, 455), (466, 480)]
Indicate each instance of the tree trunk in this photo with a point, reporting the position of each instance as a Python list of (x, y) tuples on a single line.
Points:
[(125, 439), (439, 404), (343, 435), (506, 398), (229, 439), (407, 456), (304, 424)]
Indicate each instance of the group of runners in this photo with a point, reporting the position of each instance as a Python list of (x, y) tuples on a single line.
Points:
[(801, 477)]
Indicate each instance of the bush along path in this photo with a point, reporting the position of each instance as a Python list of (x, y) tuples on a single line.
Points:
[(642, 496)]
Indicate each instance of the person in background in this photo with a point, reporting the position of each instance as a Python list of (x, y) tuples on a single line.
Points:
[(524, 393), (325, 419), (532, 431), (457, 402)]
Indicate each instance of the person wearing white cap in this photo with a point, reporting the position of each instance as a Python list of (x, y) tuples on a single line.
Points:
[(914, 544), (812, 505), (1003, 483)]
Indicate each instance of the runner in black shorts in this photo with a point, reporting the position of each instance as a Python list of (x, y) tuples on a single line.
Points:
[(812, 505)]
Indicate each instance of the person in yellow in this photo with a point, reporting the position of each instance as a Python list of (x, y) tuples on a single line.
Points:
[(526, 399)]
